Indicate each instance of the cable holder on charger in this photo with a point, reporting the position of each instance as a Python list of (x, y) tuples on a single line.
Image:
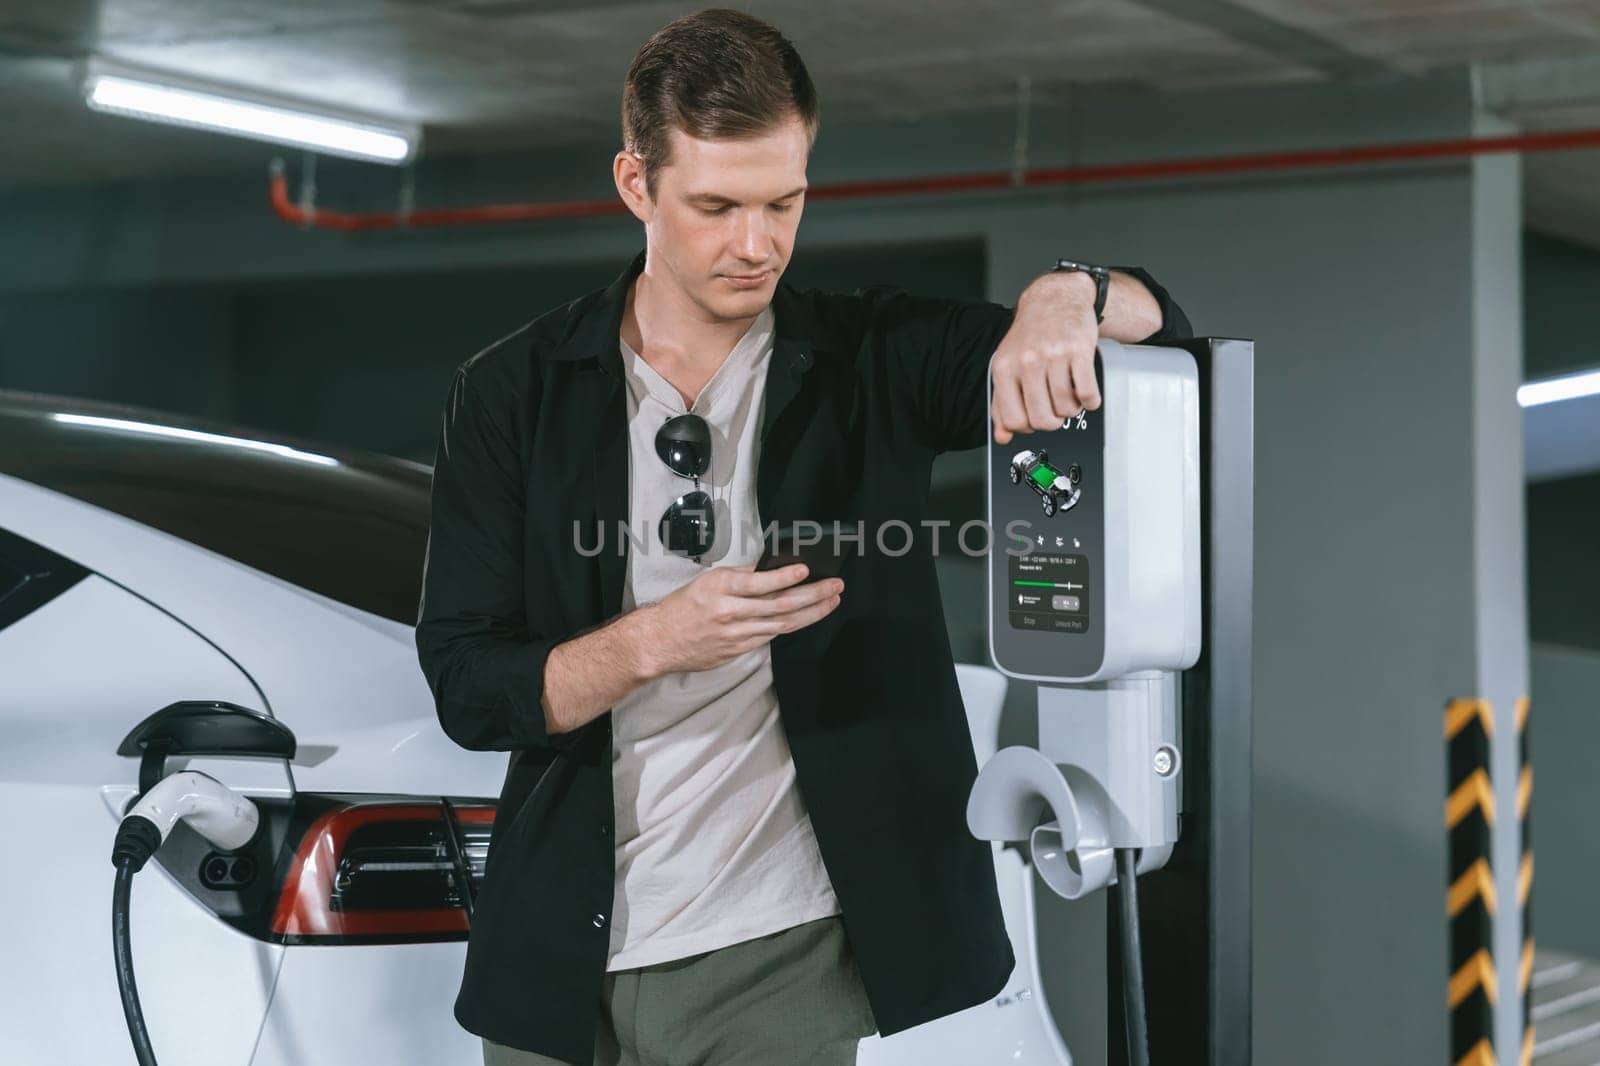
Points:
[(1105, 775)]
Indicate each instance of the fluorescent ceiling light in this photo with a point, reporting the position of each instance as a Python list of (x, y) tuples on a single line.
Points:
[(196, 435), (1566, 387), (163, 100)]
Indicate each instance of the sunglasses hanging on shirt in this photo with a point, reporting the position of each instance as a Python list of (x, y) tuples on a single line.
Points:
[(687, 527)]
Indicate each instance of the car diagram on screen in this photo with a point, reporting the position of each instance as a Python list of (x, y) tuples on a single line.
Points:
[(1057, 491)]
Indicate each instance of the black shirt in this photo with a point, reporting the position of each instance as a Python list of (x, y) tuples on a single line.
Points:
[(863, 391)]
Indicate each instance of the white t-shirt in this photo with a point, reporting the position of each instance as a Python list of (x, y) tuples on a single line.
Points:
[(713, 843)]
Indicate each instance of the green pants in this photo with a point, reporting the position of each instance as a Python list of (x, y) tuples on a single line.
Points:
[(793, 998)]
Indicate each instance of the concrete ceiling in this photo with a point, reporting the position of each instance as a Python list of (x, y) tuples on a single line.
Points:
[(499, 74), (1561, 190)]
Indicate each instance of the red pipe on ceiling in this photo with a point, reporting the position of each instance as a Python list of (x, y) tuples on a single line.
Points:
[(1205, 166)]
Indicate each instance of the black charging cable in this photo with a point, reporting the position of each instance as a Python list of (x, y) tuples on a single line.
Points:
[(1138, 1033), (137, 839)]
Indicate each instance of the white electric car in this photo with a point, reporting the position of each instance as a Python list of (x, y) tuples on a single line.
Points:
[(148, 560)]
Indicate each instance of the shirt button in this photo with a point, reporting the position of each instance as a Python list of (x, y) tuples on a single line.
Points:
[(605, 830), (599, 921)]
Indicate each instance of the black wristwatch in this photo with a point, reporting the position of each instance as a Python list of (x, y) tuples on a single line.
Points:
[(1102, 282)]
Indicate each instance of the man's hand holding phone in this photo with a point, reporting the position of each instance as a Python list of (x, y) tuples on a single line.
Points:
[(730, 610)]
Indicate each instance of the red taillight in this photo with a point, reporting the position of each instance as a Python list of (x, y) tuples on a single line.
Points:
[(384, 871)]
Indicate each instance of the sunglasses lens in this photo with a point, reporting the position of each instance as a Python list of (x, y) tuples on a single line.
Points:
[(687, 528), (684, 444)]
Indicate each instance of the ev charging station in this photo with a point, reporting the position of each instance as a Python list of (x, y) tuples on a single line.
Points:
[(1120, 583)]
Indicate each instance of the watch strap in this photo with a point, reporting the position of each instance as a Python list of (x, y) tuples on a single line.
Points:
[(1102, 282)]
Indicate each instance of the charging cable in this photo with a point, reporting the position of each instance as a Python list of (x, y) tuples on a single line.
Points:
[(223, 817), (1138, 1034)]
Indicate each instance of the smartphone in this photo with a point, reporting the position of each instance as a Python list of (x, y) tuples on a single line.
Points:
[(824, 558)]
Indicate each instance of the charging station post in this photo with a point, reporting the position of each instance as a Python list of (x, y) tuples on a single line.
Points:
[(1195, 911), (1129, 603)]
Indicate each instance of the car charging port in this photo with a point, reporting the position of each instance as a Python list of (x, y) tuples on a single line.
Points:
[(224, 872)]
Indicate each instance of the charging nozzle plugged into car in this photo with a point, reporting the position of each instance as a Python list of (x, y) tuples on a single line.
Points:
[(212, 809), (223, 817)]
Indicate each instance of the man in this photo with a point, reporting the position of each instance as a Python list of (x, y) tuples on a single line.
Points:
[(732, 829)]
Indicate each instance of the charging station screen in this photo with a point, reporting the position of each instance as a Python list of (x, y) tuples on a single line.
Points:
[(1047, 497), (1049, 592)]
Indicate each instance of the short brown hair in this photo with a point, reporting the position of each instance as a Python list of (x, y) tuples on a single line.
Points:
[(715, 74)]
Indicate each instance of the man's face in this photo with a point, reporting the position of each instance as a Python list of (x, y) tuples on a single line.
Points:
[(724, 217)]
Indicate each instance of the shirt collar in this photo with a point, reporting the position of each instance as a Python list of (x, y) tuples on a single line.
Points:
[(599, 323)]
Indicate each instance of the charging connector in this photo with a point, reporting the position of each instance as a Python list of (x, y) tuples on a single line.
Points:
[(212, 809), (225, 818)]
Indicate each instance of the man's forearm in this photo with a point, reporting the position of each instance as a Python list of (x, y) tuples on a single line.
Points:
[(1131, 312), (586, 676), (1043, 371)]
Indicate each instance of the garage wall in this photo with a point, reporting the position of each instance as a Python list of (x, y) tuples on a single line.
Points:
[(1563, 565), (1360, 291), (1564, 734), (1563, 588), (1559, 315), (153, 345), (1562, 278), (355, 359)]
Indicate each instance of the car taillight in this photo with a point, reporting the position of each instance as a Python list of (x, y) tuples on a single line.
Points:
[(475, 824), (384, 872)]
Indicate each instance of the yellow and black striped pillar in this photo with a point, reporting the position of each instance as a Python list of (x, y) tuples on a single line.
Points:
[(1525, 879), (1470, 900)]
